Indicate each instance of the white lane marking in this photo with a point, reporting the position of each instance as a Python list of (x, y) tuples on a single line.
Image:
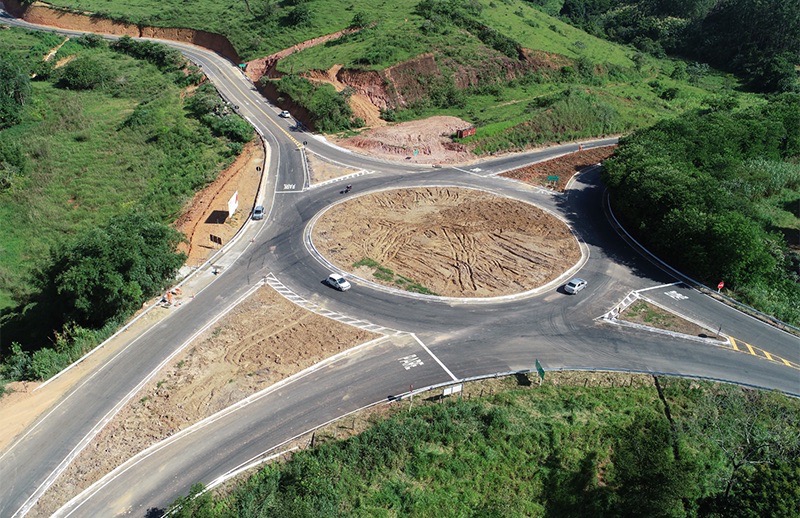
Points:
[(287, 293), (468, 172), (659, 286), (31, 501), (341, 178), (410, 361), (437, 360), (675, 295)]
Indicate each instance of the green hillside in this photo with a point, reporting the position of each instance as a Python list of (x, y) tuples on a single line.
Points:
[(100, 143), (554, 450), (520, 75)]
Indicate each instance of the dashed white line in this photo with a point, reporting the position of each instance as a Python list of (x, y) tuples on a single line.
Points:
[(291, 296)]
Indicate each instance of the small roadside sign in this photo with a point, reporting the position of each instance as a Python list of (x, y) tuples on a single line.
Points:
[(539, 369), (452, 389), (552, 178), (720, 286)]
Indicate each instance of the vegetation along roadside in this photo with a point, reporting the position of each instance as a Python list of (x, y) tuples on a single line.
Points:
[(633, 446), (100, 146)]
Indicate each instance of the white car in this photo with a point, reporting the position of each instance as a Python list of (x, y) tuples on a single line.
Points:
[(335, 280), (575, 285), (284, 114)]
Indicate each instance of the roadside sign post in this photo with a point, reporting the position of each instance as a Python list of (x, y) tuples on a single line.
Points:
[(540, 370), (720, 286), (552, 179)]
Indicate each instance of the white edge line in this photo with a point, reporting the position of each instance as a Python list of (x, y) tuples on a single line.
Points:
[(100, 484), (225, 249), (442, 365), (62, 466), (255, 461)]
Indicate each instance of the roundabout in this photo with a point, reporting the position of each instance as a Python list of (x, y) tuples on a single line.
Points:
[(446, 242)]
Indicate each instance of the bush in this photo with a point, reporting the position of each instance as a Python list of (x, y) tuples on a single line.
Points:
[(329, 109), (692, 189), (15, 89), (83, 73), (165, 58)]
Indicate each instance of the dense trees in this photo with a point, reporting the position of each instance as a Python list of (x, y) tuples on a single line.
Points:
[(329, 109), (705, 191), (759, 40), (89, 242), (112, 270)]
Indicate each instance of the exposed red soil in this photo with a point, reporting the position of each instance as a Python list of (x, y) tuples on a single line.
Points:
[(45, 14), (564, 167), (430, 137)]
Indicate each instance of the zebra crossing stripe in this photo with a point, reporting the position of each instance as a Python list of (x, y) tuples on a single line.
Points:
[(287, 293)]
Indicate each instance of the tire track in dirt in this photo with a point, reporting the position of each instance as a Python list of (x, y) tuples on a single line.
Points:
[(455, 242)]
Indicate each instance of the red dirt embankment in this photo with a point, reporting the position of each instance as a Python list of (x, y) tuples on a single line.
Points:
[(45, 14)]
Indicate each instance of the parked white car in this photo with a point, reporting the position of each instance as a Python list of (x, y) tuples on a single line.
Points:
[(575, 285), (335, 280), (285, 114)]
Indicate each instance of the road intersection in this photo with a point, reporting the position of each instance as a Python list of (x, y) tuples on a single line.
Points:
[(426, 341)]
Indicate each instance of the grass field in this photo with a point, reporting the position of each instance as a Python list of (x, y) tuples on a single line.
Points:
[(85, 162), (564, 450)]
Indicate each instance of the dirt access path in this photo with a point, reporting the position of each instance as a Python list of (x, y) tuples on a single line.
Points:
[(450, 241)]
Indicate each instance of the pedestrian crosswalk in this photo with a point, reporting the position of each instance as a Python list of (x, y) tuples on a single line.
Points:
[(291, 296)]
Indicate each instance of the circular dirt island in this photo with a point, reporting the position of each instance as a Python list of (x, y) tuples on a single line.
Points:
[(446, 241)]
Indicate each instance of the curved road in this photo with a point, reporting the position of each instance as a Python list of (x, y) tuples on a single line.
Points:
[(447, 341)]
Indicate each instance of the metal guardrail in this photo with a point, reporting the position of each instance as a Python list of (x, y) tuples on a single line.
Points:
[(699, 286)]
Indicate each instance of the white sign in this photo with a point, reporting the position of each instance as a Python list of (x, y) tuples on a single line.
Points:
[(233, 203), (452, 390)]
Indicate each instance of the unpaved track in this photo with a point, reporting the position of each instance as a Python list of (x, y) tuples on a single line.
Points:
[(455, 242)]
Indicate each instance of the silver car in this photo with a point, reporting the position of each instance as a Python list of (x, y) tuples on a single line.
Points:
[(575, 285)]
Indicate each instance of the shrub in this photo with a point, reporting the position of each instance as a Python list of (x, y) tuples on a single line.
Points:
[(165, 58), (83, 73)]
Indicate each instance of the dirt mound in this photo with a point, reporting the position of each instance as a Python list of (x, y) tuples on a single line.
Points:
[(564, 167), (453, 242), (196, 222), (431, 138)]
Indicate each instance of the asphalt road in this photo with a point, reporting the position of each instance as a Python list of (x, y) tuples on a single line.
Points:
[(450, 340)]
